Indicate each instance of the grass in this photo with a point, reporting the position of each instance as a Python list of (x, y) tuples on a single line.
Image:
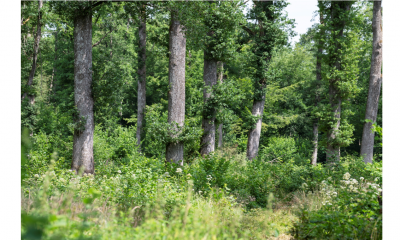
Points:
[(63, 216)]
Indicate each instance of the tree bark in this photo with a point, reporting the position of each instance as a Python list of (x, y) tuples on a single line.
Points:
[(35, 53), (141, 101), (375, 82), (317, 98), (335, 100), (254, 135), (220, 66), (52, 89), (83, 138), (210, 79), (176, 93)]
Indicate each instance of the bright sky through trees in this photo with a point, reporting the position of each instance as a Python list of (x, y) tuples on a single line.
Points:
[(300, 10)]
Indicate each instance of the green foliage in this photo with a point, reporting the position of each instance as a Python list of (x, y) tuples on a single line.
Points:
[(159, 132), (135, 195), (349, 211)]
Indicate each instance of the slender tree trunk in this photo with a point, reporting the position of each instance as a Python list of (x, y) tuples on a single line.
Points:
[(254, 135), (220, 66), (317, 98), (141, 100), (35, 53), (335, 100), (83, 136), (375, 82), (52, 89), (210, 79), (333, 150), (176, 93)]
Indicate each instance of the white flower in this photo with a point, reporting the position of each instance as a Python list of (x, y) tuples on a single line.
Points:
[(361, 178), (334, 193), (189, 175), (376, 179), (329, 178), (346, 176), (119, 171), (354, 181), (379, 189), (178, 170), (166, 174), (36, 175), (133, 175)]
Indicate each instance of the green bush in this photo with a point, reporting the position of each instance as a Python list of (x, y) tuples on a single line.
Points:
[(350, 210)]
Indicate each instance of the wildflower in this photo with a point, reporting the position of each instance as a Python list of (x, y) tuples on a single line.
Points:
[(354, 181), (361, 178), (105, 176), (347, 182), (166, 174), (376, 179), (379, 189), (329, 178), (334, 193), (36, 175), (119, 171), (178, 170), (189, 175), (134, 175), (346, 176)]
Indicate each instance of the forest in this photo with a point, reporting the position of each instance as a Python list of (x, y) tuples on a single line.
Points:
[(200, 120)]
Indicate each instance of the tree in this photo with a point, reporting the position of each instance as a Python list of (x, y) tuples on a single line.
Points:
[(317, 97), (267, 34), (220, 20), (141, 99), (35, 53), (375, 82), (81, 13), (176, 93), (339, 75), (220, 67)]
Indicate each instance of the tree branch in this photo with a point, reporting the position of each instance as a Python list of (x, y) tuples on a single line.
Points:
[(247, 29), (94, 45), (96, 4)]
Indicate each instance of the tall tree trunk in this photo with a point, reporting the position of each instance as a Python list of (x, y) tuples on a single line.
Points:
[(176, 93), (141, 100), (210, 79), (317, 98), (52, 89), (254, 135), (83, 134), (220, 66), (375, 82), (335, 100), (35, 53)]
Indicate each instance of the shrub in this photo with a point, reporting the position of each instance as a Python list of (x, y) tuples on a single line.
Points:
[(350, 211)]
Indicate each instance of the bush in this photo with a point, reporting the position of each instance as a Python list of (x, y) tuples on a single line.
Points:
[(350, 210)]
